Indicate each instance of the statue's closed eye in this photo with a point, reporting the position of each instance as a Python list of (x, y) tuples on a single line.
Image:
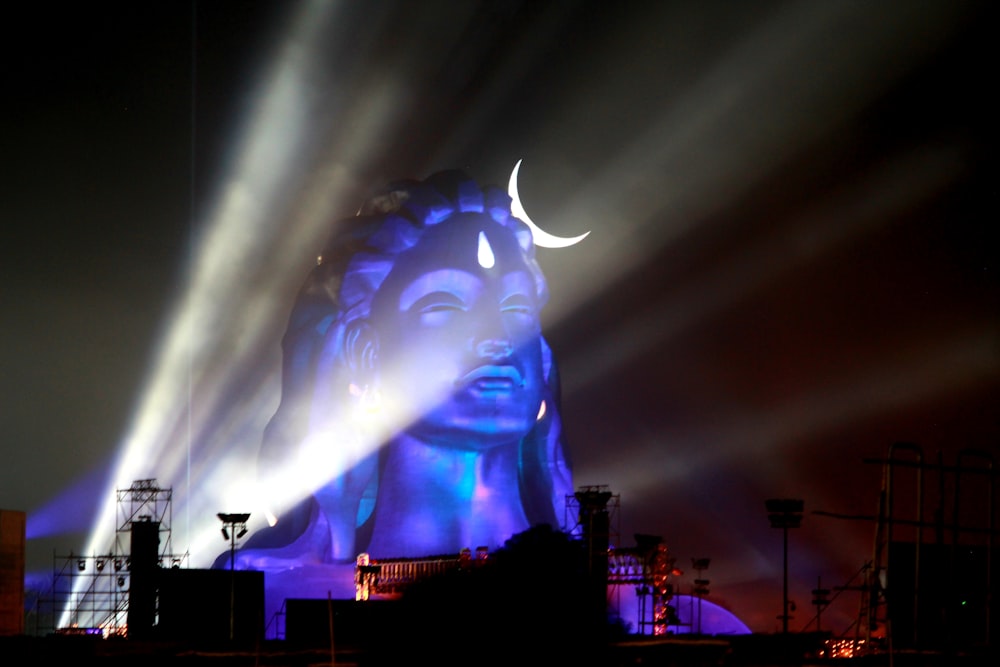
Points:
[(438, 301), (519, 304), (438, 308)]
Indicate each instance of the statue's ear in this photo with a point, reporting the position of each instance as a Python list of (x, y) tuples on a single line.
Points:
[(361, 350)]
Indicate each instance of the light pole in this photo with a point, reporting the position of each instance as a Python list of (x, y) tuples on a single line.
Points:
[(820, 600), (785, 513), (234, 526), (700, 584)]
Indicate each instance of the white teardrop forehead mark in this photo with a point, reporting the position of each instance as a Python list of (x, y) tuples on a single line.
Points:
[(485, 252), (541, 237)]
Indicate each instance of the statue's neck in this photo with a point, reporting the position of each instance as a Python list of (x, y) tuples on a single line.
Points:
[(436, 500)]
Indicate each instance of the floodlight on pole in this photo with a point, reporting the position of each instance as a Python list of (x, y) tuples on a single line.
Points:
[(234, 526)]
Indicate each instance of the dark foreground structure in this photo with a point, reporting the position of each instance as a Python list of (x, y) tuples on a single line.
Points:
[(794, 650)]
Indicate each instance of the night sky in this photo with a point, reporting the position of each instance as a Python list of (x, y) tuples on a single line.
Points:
[(791, 262)]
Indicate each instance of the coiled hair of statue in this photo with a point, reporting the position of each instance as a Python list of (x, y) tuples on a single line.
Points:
[(338, 294)]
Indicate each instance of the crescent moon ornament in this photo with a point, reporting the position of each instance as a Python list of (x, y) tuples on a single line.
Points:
[(541, 237)]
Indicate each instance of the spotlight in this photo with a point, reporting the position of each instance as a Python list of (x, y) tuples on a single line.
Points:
[(234, 526), (233, 518), (100, 565), (118, 564), (81, 565), (175, 563), (121, 581)]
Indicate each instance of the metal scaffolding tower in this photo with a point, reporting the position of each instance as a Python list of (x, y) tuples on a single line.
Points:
[(648, 567), (90, 593)]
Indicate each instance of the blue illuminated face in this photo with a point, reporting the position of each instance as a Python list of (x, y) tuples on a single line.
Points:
[(466, 334)]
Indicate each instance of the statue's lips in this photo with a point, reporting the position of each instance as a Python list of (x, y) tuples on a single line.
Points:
[(492, 379)]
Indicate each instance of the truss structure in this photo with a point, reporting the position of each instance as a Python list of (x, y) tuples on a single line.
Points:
[(90, 592), (930, 583)]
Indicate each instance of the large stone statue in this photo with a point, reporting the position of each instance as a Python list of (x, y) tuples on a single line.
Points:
[(420, 402)]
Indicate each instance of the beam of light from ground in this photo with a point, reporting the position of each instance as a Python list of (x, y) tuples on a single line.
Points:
[(277, 254), (64, 513), (248, 265), (240, 232), (917, 375), (860, 207), (761, 103)]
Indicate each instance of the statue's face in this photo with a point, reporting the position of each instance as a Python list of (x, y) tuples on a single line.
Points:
[(459, 342)]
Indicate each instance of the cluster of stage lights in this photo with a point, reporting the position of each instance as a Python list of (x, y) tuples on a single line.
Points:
[(237, 523), (118, 563), (101, 562)]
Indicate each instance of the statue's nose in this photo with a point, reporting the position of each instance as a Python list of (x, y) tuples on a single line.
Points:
[(493, 348)]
